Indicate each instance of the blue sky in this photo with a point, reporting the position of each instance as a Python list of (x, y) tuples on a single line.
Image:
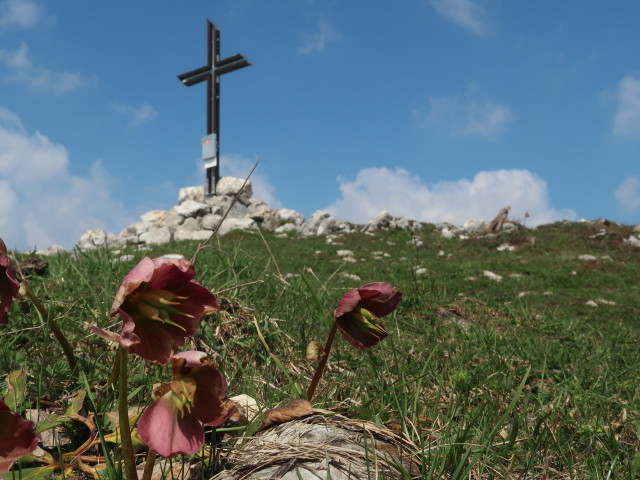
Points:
[(437, 110)]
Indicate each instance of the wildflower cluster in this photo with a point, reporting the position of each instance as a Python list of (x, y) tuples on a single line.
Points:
[(160, 305)]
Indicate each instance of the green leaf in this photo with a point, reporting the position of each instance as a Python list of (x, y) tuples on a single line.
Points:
[(16, 389), (36, 473), (76, 404), (68, 416)]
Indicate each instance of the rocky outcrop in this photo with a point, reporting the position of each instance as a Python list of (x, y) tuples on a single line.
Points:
[(196, 217)]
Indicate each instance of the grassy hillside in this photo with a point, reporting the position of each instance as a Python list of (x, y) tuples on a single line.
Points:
[(531, 376)]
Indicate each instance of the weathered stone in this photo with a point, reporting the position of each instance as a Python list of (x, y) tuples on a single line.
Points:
[(267, 218), (191, 208), (92, 239), (210, 221), (237, 224), (632, 241), (230, 186), (386, 221), (173, 220), (198, 235), (154, 216), (322, 223), (191, 223), (475, 225), (291, 216), (219, 206), (156, 235), (191, 193), (288, 228), (254, 205)]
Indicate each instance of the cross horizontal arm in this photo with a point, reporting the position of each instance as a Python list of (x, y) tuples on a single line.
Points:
[(184, 76)]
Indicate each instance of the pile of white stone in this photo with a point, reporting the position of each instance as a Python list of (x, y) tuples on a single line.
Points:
[(196, 217)]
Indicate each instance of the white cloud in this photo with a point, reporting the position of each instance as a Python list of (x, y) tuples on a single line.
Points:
[(464, 13), (144, 113), (20, 13), (466, 115), (628, 194), (403, 194), (626, 121), (21, 69), (41, 203), (317, 42)]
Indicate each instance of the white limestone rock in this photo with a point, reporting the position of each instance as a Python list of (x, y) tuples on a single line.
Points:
[(322, 222), (191, 208), (288, 228), (475, 225), (156, 236), (210, 221), (92, 239), (632, 241), (386, 221), (492, 276), (197, 235), (230, 186), (237, 224), (195, 194), (291, 216), (154, 216)]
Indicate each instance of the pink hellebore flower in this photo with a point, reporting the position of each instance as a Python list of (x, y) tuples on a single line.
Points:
[(358, 313), (9, 287), (17, 437), (197, 395), (160, 304)]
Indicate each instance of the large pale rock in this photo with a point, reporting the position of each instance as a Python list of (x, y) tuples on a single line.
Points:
[(386, 221), (230, 186), (322, 222), (291, 216), (154, 216), (191, 208), (254, 205), (198, 235), (191, 223), (210, 221), (191, 193), (92, 239), (267, 218), (475, 225), (237, 224), (156, 235), (288, 228), (219, 206)]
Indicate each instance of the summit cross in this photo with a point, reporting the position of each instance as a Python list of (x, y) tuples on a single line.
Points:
[(211, 73)]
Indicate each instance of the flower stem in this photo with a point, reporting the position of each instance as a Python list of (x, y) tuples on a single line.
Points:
[(148, 468), (123, 414), (53, 325), (323, 362)]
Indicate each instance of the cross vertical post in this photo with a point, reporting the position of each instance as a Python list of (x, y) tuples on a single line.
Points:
[(211, 73)]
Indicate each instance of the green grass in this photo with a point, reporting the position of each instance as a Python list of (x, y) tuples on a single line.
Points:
[(535, 385)]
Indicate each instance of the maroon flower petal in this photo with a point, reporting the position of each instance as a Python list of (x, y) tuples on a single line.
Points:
[(152, 341), (160, 304), (358, 312), (142, 272), (211, 386), (163, 428), (9, 287), (380, 298), (357, 337), (17, 437)]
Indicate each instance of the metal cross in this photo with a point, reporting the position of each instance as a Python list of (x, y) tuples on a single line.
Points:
[(211, 73)]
